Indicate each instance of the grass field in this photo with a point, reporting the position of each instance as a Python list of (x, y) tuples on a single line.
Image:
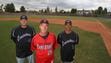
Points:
[(105, 21), (91, 48)]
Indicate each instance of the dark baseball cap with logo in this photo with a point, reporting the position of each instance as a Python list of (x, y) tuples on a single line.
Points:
[(23, 17), (68, 22), (44, 21)]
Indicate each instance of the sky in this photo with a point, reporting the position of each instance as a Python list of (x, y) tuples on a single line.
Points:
[(61, 4)]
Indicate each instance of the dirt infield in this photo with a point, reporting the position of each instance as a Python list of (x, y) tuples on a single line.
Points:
[(96, 27)]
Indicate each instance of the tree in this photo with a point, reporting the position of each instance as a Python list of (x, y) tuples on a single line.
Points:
[(1, 8), (48, 10), (73, 11), (45, 11), (41, 11), (9, 7), (105, 11), (62, 11), (56, 10), (100, 10), (22, 9), (13, 7)]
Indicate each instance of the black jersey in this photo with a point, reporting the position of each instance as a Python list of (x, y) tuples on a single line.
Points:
[(68, 42), (22, 38)]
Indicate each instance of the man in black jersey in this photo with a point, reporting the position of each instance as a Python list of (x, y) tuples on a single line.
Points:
[(67, 40), (22, 36)]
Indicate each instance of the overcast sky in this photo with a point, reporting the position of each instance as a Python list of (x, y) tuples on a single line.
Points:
[(61, 4)]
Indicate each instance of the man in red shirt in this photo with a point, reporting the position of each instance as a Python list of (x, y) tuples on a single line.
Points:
[(44, 44)]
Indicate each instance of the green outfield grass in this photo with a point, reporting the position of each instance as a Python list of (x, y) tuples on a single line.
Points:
[(91, 48), (106, 22)]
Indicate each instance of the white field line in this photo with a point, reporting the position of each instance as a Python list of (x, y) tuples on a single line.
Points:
[(105, 28)]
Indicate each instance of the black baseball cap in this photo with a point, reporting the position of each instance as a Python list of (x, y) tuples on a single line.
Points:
[(44, 21), (23, 17), (68, 22)]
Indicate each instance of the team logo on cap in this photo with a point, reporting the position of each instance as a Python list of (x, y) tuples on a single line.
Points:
[(45, 20), (68, 22), (23, 16)]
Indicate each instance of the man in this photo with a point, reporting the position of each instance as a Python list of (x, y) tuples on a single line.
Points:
[(44, 44), (68, 39), (22, 36)]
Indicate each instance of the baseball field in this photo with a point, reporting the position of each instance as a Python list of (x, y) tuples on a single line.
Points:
[(94, 33)]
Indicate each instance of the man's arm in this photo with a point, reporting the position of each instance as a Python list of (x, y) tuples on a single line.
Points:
[(59, 39), (56, 42), (77, 39), (32, 44), (13, 36), (33, 32)]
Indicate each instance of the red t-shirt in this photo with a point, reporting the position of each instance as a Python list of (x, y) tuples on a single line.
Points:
[(44, 48)]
